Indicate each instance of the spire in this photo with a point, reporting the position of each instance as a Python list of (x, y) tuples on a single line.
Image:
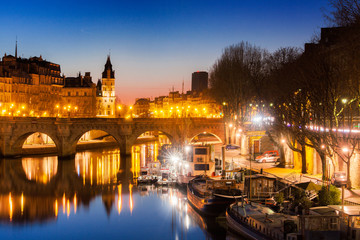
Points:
[(16, 48), (108, 62), (108, 71)]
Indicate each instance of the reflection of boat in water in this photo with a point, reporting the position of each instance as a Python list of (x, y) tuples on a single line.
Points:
[(211, 197), (255, 221), (210, 226), (149, 174), (165, 177)]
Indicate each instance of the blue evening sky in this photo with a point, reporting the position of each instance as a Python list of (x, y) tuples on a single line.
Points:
[(156, 44)]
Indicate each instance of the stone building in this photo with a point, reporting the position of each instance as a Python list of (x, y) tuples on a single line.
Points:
[(29, 86), (176, 104), (79, 96), (105, 96)]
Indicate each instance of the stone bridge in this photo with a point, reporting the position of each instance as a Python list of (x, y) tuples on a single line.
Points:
[(66, 132)]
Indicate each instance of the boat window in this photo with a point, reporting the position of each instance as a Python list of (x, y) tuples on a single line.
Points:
[(200, 151)]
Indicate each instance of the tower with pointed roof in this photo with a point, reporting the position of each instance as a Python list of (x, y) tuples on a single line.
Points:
[(107, 98)]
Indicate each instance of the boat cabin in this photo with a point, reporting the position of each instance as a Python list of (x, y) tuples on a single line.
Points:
[(349, 220), (199, 161), (262, 187)]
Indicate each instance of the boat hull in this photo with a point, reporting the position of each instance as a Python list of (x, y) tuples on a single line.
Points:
[(147, 181), (241, 227), (211, 205)]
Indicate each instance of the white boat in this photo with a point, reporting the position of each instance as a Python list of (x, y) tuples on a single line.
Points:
[(145, 177), (165, 177)]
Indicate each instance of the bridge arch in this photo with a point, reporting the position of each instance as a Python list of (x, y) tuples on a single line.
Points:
[(192, 137), (77, 136), (136, 134), (18, 142)]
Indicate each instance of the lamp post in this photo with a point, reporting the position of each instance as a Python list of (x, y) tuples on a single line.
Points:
[(230, 127)]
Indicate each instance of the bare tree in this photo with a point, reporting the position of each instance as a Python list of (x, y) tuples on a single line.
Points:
[(237, 77), (345, 13)]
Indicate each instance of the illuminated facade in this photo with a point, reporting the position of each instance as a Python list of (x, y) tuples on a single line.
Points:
[(29, 86), (34, 87), (78, 97), (106, 92), (191, 104)]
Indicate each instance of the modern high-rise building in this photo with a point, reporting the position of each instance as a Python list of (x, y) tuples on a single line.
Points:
[(106, 98), (199, 81)]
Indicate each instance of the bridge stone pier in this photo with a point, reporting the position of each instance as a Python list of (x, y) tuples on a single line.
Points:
[(66, 132)]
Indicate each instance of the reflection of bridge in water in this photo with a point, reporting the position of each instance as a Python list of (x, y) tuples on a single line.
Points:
[(66, 132), (33, 190)]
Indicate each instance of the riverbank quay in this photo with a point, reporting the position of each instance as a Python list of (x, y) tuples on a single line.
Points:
[(289, 175)]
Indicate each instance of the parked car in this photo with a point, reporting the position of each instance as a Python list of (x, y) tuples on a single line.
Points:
[(270, 202), (339, 178), (231, 147), (271, 153), (268, 156)]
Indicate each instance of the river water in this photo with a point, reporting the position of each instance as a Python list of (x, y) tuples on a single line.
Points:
[(94, 196)]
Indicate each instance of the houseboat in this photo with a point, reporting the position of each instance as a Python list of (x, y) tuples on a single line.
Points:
[(211, 197), (255, 221)]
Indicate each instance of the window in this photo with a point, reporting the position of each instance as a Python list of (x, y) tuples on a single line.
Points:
[(69, 94), (77, 93), (200, 151), (199, 159), (85, 93)]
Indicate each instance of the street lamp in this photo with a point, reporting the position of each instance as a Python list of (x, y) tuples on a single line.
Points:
[(230, 127)]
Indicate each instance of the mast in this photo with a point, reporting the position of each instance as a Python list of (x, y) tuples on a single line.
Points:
[(16, 48)]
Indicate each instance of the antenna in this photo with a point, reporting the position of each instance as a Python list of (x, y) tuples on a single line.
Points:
[(182, 86), (16, 48)]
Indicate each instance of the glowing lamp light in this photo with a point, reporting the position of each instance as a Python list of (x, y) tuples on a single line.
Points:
[(257, 119), (345, 149), (344, 100), (322, 146), (282, 140), (187, 149), (175, 158), (230, 125)]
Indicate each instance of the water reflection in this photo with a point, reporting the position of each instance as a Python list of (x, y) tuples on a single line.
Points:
[(98, 167), (95, 189), (144, 153), (40, 169)]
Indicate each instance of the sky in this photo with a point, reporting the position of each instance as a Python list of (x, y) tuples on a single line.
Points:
[(154, 45)]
